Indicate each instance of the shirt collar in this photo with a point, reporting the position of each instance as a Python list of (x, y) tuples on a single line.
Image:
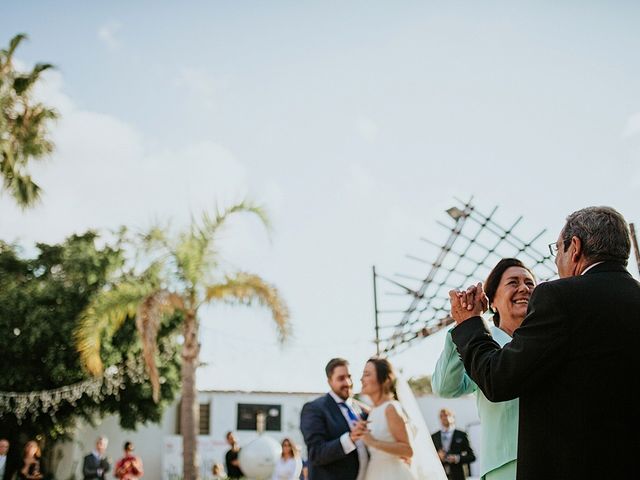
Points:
[(500, 335), (590, 267)]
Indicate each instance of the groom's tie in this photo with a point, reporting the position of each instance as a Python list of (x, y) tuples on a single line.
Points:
[(352, 416), (361, 448)]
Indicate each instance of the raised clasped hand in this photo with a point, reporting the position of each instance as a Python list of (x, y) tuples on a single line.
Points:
[(359, 430), (468, 303)]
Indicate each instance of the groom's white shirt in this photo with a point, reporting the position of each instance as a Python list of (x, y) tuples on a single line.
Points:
[(347, 444)]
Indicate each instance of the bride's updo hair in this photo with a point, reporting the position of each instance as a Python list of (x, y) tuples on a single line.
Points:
[(385, 375)]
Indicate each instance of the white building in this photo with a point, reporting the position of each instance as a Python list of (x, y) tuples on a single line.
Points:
[(159, 445)]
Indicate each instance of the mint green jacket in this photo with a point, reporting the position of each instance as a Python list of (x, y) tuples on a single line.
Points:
[(499, 421)]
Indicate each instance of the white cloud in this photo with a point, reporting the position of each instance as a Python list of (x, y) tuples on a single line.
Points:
[(104, 174), (360, 180), (200, 86), (108, 35), (632, 126), (367, 128), (50, 91)]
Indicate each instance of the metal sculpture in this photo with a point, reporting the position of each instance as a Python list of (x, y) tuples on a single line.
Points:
[(475, 242)]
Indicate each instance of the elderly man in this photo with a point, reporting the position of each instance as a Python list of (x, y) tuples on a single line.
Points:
[(6, 466), (96, 464), (572, 360)]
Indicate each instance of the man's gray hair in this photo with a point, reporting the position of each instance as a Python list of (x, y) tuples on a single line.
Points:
[(603, 231)]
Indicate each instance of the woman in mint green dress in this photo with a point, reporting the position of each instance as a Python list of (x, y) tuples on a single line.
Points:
[(508, 288)]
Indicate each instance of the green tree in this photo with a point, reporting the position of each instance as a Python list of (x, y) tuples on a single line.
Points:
[(40, 302), (24, 126), (421, 385), (192, 276)]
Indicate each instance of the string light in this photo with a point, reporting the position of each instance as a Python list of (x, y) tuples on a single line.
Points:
[(48, 402)]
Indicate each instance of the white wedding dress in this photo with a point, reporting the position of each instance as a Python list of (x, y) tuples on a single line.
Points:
[(425, 464)]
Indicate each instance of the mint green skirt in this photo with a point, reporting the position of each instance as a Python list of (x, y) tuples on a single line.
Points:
[(505, 472)]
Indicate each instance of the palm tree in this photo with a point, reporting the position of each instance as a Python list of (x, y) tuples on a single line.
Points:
[(23, 126), (187, 264)]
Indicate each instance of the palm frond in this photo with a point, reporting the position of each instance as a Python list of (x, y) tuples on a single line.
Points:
[(148, 319), (14, 42), (23, 189), (6, 56), (23, 83), (106, 313), (248, 289), (154, 238), (212, 225), (191, 254)]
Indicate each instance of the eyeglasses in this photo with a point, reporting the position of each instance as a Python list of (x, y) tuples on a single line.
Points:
[(553, 248)]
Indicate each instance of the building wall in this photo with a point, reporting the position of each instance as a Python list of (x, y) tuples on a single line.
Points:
[(153, 442), (224, 414), (159, 444), (147, 440)]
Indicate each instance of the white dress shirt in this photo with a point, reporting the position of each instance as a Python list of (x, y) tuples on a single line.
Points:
[(590, 267), (347, 444), (446, 436)]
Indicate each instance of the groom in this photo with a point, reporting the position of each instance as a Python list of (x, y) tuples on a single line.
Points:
[(331, 430)]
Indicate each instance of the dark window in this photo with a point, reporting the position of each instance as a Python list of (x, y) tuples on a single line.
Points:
[(203, 424), (247, 414)]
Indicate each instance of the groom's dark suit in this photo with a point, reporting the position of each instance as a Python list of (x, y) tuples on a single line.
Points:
[(572, 363), (322, 423)]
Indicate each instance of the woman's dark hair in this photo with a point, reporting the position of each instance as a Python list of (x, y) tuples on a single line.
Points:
[(492, 282), (385, 375), (128, 446)]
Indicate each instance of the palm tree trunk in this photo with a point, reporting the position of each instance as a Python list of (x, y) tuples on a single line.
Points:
[(189, 411)]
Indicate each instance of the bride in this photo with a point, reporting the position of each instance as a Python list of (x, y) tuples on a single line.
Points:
[(399, 444)]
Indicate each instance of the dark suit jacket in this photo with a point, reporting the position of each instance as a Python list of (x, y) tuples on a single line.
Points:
[(572, 362), (459, 446), (9, 467), (90, 466), (322, 424)]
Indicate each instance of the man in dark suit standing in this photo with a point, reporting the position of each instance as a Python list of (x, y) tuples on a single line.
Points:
[(7, 463), (95, 465), (453, 447), (330, 428), (573, 358)]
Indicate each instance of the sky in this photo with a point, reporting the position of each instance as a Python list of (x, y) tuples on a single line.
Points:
[(356, 124)]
